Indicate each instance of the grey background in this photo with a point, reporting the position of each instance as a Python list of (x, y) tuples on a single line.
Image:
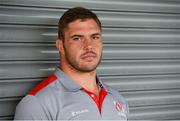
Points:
[(141, 56)]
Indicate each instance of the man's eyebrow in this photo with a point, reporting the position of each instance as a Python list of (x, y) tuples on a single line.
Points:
[(76, 35), (96, 34)]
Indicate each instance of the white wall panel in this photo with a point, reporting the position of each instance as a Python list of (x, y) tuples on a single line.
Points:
[(141, 56)]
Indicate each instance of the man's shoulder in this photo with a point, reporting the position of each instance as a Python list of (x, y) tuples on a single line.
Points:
[(40, 95), (116, 93), (118, 96), (44, 86)]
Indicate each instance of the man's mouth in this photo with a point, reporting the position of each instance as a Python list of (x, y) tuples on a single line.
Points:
[(89, 56)]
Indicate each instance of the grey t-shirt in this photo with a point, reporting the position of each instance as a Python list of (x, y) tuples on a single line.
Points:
[(60, 98)]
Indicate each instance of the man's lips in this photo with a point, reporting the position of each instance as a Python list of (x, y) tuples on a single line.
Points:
[(88, 55)]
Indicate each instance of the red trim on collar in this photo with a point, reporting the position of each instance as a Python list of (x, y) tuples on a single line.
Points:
[(42, 85), (98, 100)]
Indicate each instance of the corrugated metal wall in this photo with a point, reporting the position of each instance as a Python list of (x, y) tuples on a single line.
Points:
[(141, 51)]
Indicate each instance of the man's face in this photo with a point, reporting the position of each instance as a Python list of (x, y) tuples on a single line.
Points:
[(83, 45)]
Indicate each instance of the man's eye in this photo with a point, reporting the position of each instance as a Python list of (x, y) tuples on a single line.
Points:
[(96, 37), (76, 38)]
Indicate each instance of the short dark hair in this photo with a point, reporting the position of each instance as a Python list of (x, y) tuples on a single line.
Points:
[(75, 14)]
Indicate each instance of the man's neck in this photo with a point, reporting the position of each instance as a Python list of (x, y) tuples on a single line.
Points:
[(86, 80)]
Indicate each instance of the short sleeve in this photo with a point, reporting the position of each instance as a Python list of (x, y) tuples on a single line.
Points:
[(29, 109)]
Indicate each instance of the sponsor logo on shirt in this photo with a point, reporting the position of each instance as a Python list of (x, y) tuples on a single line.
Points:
[(118, 106), (75, 113)]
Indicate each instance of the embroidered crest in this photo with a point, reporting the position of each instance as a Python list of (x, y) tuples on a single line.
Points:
[(118, 106)]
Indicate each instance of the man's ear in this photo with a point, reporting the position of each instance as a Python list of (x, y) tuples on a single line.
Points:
[(59, 46)]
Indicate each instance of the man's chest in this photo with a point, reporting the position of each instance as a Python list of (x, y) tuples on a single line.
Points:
[(81, 106)]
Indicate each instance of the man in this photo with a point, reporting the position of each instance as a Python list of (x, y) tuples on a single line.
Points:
[(74, 91)]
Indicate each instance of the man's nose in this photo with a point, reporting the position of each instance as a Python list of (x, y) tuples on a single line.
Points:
[(88, 44)]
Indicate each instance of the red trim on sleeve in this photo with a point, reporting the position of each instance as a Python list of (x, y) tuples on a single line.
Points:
[(43, 84), (98, 100)]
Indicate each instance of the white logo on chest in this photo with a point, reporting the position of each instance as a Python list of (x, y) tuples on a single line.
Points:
[(75, 113)]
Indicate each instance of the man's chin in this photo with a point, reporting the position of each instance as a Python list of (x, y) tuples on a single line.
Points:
[(88, 68)]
